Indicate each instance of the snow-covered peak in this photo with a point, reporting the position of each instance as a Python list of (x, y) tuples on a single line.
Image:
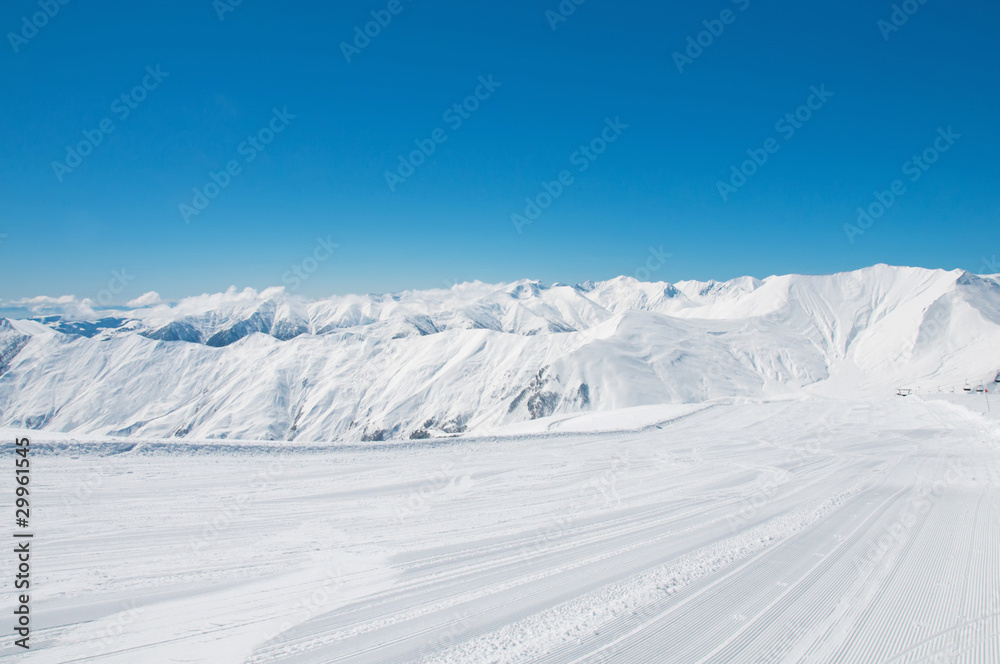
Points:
[(271, 364)]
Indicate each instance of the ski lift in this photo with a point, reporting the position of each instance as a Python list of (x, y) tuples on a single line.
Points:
[(980, 389), (967, 388), (903, 392), (997, 379)]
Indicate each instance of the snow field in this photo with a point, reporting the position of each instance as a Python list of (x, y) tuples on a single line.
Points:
[(784, 531)]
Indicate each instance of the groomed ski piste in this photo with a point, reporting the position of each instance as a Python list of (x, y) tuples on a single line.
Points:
[(804, 529)]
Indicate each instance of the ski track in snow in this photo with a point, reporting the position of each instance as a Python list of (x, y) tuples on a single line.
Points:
[(788, 531)]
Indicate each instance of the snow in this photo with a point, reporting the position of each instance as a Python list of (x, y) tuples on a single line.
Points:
[(495, 473), (801, 529), (638, 417), (272, 366)]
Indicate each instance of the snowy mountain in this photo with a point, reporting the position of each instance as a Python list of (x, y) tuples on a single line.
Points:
[(268, 365)]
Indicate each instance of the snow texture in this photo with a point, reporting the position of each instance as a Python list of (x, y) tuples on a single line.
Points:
[(476, 357)]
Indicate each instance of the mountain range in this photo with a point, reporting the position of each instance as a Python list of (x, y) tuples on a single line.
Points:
[(270, 365)]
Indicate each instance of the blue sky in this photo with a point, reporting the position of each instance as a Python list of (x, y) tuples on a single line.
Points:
[(557, 86)]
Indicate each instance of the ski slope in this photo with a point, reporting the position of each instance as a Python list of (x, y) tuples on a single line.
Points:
[(788, 530)]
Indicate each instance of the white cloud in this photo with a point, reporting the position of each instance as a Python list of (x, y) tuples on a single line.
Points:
[(64, 305), (145, 300)]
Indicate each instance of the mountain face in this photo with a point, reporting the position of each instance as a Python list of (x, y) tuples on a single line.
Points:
[(267, 365)]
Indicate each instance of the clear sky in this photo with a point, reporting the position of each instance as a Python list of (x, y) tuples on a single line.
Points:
[(214, 85)]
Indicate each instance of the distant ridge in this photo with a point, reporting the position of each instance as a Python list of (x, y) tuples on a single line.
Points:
[(269, 365)]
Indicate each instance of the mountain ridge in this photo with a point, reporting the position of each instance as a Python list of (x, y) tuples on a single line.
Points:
[(273, 366)]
